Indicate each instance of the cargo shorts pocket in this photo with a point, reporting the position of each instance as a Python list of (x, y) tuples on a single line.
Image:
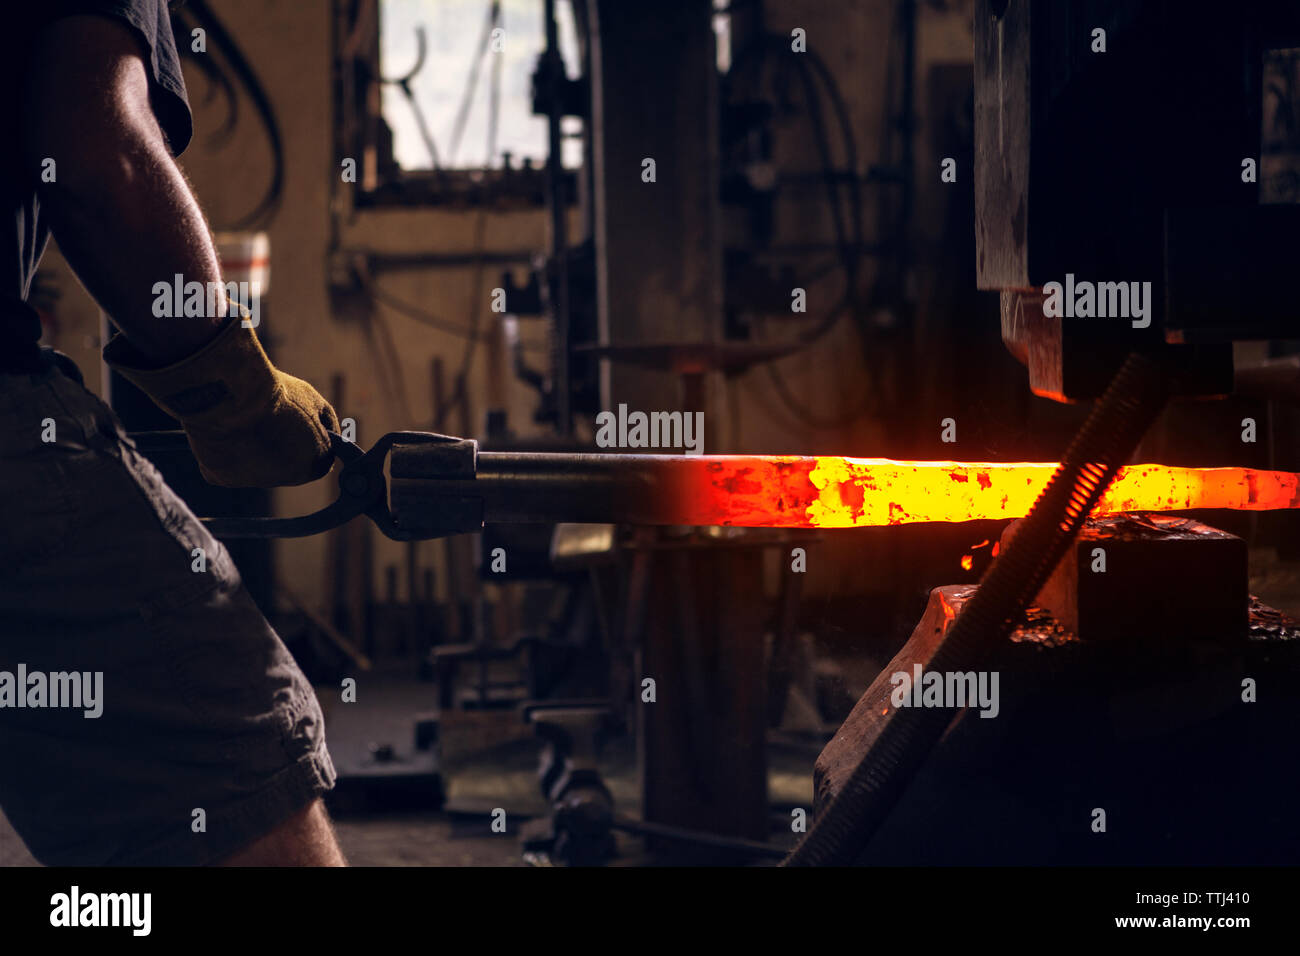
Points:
[(38, 510), (200, 564), (38, 497)]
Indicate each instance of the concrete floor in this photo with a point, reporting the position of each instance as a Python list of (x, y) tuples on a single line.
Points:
[(429, 838), (404, 840), (489, 762)]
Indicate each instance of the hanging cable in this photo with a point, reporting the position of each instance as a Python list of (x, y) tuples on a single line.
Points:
[(265, 209), (471, 83)]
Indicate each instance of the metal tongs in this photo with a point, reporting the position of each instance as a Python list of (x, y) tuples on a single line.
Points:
[(363, 490)]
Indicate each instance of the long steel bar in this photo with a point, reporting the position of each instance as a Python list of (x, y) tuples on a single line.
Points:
[(793, 492)]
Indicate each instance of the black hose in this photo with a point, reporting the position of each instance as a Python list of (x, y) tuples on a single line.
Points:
[(645, 828), (221, 38), (1109, 436)]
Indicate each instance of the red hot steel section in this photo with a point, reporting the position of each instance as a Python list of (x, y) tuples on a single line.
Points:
[(834, 492)]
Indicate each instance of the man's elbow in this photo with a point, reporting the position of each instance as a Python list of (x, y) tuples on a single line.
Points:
[(90, 172), (88, 131)]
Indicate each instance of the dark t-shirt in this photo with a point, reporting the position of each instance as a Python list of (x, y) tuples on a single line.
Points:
[(21, 247)]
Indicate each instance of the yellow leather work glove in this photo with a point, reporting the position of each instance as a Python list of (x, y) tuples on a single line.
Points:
[(249, 424)]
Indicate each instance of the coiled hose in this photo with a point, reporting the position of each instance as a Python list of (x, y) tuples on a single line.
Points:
[(1108, 437)]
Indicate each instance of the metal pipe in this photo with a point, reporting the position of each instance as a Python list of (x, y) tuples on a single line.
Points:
[(559, 209)]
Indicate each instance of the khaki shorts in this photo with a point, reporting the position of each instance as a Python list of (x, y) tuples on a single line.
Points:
[(207, 734)]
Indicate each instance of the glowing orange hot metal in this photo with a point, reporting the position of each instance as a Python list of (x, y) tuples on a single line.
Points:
[(832, 492)]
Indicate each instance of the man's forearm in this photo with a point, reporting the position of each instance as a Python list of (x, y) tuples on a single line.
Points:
[(119, 207)]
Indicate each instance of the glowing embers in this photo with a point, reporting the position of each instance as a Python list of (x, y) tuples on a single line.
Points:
[(835, 492), (968, 560)]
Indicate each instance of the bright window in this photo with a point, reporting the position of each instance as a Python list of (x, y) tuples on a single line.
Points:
[(475, 85)]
